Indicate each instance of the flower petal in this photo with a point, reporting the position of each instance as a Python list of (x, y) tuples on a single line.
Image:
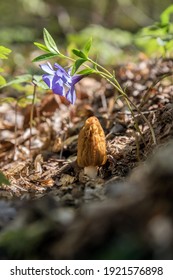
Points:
[(57, 86), (48, 79), (56, 65), (76, 79), (48, 68), (71, 95), (67, 79)]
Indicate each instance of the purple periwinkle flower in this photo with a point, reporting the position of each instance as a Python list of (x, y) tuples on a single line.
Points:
[(60, 81)]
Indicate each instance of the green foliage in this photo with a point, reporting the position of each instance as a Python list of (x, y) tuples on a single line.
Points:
[(41, 47), (37, 80), (106, 51), (44, 57), (24, 84), (159, 36), (50, 47), (7, 100), (165, 16), (51, 50), (3, 179), (19, 83), (49, 42), (20, 34), (4, 52), (24, 101), (87, 47), (2, 81), (79, 53), (107, 45), (20, 79), (77, 64)]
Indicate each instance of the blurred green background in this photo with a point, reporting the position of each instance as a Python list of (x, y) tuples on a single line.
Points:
[(72, 22), (23, 20)]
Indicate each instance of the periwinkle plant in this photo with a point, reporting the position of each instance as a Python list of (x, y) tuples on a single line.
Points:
[(63, 82)]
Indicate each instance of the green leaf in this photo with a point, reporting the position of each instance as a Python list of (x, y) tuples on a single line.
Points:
[(49, 42), (4, 52), (44, 57), (41, 84), (86, 71), (79, 53), (77, 64), (3, 179), (29, 98), (19, 80), (161, 42), (7, 100), (24, 101), (2, 81), (22, 79), (37, 79), (154, 27), (165, 16), (87, 46), (41, 47)]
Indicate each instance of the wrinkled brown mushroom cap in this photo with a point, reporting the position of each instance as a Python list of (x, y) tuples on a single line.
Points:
[(91, 150)]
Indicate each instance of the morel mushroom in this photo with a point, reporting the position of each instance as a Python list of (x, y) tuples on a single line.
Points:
[(91, 150)]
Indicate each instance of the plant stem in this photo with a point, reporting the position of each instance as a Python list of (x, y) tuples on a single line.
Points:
[(15, 132), (31, 114), (101, 67)]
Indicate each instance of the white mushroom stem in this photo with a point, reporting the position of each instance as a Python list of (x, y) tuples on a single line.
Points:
[(91, 171)]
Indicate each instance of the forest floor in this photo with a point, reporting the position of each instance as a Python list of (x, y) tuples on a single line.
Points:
[(58, 211)]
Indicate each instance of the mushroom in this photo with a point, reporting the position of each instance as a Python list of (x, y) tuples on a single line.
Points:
[(91, 149)]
